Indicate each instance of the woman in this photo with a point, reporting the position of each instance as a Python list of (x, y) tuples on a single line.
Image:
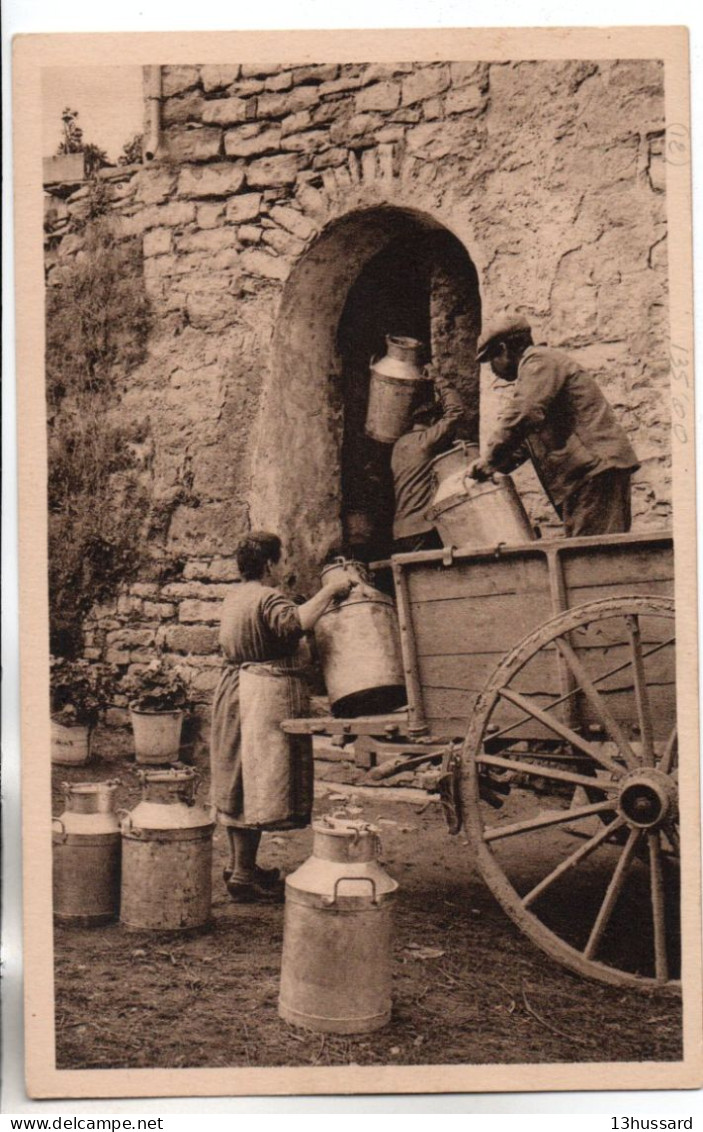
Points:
[(258, 624)]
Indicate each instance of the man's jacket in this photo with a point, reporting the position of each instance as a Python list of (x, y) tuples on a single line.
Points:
[(411, 461), (560, 418)]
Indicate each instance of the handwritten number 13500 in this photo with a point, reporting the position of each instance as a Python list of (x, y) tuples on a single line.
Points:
[(680, 401)]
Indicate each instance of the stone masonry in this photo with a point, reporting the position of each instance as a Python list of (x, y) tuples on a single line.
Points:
[(538, 186)]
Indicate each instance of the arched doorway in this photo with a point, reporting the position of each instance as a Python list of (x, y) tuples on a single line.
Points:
[(317, 478)]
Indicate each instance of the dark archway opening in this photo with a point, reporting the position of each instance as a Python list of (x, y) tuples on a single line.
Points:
[(315, 478), (421, 284)]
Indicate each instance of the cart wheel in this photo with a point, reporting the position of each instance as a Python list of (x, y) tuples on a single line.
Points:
[(594, 883)]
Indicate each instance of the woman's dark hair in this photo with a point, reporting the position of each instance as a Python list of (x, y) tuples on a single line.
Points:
[(254, 552)]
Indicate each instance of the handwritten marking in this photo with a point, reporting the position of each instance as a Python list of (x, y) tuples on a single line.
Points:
[(677, 144), (679, 358)]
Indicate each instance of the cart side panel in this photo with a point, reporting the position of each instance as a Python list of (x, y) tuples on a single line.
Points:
[(464, 618), (466, 611)]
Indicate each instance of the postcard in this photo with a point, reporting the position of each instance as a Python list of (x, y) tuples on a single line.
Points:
[(357, 562)]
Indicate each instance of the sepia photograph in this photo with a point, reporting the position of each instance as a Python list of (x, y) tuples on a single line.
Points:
[(357, 441)]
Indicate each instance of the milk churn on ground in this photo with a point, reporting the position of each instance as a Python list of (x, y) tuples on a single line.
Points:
[(468, 513), (277, 769), (336, 961), (86, 855), (167, 855), (358, 641), (394, 381)]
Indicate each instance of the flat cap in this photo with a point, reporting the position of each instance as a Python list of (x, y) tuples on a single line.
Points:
[(502, 327)]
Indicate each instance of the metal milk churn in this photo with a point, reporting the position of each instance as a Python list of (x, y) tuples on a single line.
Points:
[(449, 467), (358, 641), (167, 855), (471, 514), (336, 962), (86, 855), (394, 380)]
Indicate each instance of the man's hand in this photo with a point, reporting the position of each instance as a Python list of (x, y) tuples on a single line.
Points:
[(431, 373), (340, 588), (480, 471)]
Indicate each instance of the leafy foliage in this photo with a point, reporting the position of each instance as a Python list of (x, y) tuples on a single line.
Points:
[(132, 151), (97, 324), (80, 690), (95, 157), (160, 687), (98, 319)]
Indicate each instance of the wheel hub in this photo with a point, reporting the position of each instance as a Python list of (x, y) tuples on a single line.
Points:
[(647, 798)]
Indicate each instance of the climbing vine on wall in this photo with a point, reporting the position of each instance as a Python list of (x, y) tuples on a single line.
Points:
[(97, 321)]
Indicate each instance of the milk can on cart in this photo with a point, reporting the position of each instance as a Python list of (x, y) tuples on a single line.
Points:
[(167, 855), (468, 513), (358, 641), (86, 855), (336, 962)]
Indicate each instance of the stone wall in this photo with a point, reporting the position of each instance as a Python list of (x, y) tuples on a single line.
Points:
[(279, 190)]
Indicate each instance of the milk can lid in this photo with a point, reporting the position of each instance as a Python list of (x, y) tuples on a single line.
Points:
[(340, 824)]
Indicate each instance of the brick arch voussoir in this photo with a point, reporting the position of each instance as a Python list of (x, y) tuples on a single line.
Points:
[(378, 179)]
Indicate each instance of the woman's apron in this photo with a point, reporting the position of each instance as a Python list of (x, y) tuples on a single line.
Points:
[(277, 769)]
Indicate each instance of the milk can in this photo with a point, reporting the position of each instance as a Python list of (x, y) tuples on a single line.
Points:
[(471, 514), (86, 855), (449, 468), (167, 855), (394, 380), (336, 961), (358, 642)]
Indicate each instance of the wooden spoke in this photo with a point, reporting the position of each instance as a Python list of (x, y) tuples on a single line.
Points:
[(596, 680), (672, 835), (587, 687), (546, 772), (575, 858), (644, 714), (552, 817), (667, 759), (613, 891), (561, 730), (661, 964)]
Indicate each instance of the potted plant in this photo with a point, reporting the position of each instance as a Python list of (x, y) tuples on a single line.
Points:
[(158, 702), (79, 691)]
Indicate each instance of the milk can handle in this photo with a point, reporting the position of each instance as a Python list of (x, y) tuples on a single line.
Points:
[(329, 901), (57, 821), (127, 819), (340, 815), (468, 480)]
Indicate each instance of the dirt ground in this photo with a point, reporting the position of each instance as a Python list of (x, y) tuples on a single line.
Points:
[(136, 999)]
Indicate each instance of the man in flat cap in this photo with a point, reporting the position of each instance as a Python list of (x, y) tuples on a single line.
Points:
[(559, 418)]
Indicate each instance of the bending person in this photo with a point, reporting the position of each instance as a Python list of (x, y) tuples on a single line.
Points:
[(434, 427), (560, 419)]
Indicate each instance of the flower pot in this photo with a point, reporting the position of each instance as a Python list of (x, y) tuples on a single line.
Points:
[(70, 746), (157, 735)]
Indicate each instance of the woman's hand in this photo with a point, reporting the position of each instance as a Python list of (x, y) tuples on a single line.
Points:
[(333, 591)]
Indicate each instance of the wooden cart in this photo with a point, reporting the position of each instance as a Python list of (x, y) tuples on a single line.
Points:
[(542, 678)]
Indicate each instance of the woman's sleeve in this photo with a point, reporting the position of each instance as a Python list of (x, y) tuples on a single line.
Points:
[(282, 618)]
